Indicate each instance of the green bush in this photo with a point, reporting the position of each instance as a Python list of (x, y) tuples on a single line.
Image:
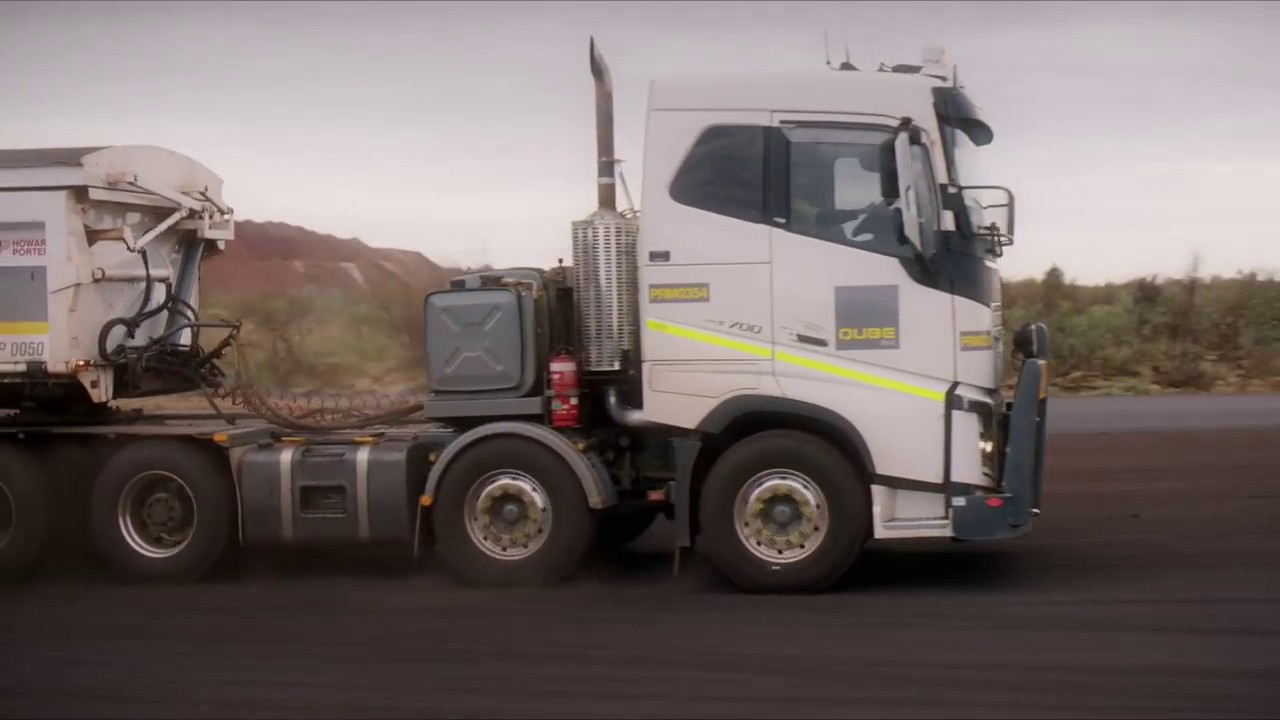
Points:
[(1184, 334), (318, 340)]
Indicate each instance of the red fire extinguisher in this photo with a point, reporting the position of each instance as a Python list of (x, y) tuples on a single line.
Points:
[(564, 390)]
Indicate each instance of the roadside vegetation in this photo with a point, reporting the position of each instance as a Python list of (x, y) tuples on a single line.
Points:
[(321, 340), (1151, 335), (1144, 336)]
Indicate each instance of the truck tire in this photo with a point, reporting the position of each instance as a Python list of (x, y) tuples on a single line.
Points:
[(162, 510), (620, 528), (783, 512), (511, 512), (24, 513)]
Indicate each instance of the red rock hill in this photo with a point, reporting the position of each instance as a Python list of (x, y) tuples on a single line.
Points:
[(274, 257)]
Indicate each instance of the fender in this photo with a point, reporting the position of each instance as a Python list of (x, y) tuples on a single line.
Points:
[(726, 413), (590, 472)]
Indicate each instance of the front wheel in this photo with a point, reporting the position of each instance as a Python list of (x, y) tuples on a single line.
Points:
[(510, 511), (783, 512)]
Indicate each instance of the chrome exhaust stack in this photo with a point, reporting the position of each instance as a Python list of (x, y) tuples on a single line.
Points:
[(605, 282)]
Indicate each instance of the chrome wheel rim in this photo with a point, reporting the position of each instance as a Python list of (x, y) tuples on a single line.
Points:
[(157, 514), (508, 515), (781, 516)]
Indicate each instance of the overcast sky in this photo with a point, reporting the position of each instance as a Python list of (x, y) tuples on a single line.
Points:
[(1134, 134)]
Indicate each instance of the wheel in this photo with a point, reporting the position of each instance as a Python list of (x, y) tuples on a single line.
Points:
[(510, 512), (621, 528), (782, 512), (162, 510), (24, 513)]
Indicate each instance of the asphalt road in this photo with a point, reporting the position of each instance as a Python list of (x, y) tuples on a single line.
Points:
[(1150, 588), (1158, 413)]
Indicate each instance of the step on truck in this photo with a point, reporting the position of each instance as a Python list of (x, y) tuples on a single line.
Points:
[(796, 349)]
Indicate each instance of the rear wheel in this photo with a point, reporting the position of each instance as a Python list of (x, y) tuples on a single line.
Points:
[(510, 511), (24, 512), (162, 510), (783, 511)]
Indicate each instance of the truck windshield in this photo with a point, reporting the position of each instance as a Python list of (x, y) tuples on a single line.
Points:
[(964, 132), (964, 159)]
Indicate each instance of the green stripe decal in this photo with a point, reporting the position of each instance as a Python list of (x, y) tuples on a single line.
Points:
[(815, 365)]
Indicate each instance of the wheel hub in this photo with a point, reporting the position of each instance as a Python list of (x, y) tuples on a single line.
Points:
[(162, 511), (157, 514), (508, 514), (781, 516), (512, 512)]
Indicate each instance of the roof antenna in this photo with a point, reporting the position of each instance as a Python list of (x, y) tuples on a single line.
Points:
[(846, 65)]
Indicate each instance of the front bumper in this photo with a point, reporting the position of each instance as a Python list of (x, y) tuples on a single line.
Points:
[(1009, 513)]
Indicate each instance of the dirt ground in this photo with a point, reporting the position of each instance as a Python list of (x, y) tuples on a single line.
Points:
[(1150, 588)]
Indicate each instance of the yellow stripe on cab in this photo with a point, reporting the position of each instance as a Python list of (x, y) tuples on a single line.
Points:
[(796, 360)]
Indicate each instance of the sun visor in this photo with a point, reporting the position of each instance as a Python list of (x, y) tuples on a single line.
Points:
[(955, 109)]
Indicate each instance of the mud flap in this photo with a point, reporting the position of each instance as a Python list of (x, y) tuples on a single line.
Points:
[(685, 451)]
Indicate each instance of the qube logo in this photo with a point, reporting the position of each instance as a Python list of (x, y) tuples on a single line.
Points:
[(875, 333), (867, 317)]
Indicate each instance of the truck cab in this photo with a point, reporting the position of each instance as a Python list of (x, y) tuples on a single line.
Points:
[(809, 253)]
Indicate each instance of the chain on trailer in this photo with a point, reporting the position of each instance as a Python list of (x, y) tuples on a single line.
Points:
[(302, 411), (306, 411)]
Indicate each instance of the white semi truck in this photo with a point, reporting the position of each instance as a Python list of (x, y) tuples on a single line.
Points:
[(797, 349)]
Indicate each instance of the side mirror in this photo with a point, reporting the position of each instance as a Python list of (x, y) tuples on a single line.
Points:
[(984, 223), (897, 188)]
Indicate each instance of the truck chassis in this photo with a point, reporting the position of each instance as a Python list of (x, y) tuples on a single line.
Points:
[(506, 502)]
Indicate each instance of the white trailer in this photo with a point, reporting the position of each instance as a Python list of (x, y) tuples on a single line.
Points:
[(798, 348), (100, 250)]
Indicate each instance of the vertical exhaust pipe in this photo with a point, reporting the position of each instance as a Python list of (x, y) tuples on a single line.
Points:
[(606, 187), (605, 276)]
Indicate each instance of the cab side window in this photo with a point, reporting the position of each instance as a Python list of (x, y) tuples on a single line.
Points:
[(724, 173), (834, 181)]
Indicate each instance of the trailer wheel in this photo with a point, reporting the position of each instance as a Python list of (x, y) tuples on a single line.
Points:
[(511, 512), (162, 511), (24, 513), (783, 512)]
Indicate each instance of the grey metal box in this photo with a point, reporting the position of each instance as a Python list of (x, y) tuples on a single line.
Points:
[(475, 341), (330, 493)]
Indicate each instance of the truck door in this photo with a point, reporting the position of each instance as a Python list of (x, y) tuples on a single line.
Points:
[(704, 253), (853, 330)]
